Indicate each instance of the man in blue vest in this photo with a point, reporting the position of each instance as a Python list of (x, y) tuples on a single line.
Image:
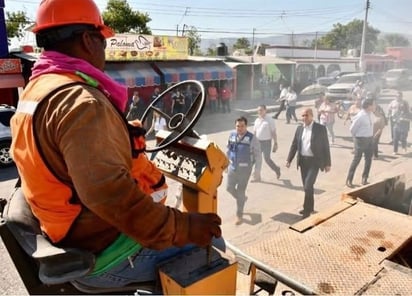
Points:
[(243, 152)]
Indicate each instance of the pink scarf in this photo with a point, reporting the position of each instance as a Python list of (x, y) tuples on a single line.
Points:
[(55, 62)]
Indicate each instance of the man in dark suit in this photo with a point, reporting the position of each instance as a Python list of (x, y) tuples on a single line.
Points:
[(312, 147)]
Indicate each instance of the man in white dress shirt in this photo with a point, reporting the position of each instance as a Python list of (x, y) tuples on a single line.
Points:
[(362, 132), (265, 131)]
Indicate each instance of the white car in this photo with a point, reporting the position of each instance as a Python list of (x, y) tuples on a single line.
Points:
[(6, 112), (342, 88), (397, 78), (331, 78)]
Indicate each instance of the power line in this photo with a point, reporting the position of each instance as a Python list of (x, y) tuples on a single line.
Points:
[(215, 12)]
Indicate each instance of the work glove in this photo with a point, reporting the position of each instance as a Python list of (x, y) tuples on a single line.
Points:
[(203, 227)]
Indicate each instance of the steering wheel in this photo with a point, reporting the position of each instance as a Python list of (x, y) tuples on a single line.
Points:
[(179, 124)]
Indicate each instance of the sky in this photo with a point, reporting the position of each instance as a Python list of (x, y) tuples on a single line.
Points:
[(260, 18)]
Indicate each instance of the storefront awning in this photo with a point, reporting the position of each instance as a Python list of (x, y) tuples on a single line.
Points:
[(133, 74), (203, 71), (11, 80)]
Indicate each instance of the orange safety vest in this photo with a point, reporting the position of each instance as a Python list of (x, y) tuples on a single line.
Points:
[(50, 200)]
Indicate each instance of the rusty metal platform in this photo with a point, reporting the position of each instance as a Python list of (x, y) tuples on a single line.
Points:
[(366, 231), (393, 280), (340, 255)]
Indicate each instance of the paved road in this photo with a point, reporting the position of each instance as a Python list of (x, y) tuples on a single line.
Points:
[(273, 204)]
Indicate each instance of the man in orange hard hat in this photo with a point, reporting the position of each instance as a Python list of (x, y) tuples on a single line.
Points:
[(72, 148)]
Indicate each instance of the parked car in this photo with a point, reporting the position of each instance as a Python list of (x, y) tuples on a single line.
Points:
[(397, 78), (6, 112), (331, 78), (342, 88)]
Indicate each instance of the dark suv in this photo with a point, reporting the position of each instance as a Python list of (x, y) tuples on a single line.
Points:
[(6, 112)]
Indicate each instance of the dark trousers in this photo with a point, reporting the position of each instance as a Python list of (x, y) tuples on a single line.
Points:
[(400, 134), (291, 112), (281, 108), (226, 106), (309, 170), (266, 148), (213, 105), (376, 140), (391, 126), (237, 181), (363, 146)]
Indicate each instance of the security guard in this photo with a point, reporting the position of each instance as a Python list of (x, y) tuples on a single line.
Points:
[(243, 152)]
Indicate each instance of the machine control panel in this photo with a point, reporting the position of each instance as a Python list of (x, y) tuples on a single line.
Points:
[(183, 164), (196, 163)]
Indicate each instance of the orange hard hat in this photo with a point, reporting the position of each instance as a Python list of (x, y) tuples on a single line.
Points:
[(55, 13)]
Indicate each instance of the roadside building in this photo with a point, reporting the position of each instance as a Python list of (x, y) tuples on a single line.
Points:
[(144, 62), (402, 56), (11, 80)]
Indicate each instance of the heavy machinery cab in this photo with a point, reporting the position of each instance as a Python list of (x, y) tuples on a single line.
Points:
[(182, 156)]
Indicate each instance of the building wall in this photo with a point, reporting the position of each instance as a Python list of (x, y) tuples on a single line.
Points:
[(302, 53), (401, 53)]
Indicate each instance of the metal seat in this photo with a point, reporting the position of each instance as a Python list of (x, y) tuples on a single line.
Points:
[(44, 267)]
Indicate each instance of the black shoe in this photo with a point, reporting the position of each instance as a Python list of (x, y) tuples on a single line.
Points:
[(349, 184), (364, 181), (278, 173), (305, 214)]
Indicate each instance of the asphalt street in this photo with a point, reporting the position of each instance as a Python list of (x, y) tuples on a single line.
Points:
[(273, 204)]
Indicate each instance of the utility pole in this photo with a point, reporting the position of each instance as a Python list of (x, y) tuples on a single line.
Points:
[(316, 46), (184, 27), (362, 65), (252, 77)]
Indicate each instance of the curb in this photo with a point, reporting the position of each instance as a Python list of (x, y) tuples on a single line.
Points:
[(273, 108)]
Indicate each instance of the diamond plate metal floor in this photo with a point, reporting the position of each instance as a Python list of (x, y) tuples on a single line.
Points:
[(366, 231), (343, 254)]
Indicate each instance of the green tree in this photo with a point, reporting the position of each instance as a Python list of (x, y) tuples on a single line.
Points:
[(344, 37), (211, 51), (122, 19), (242, 43), (308, 43), (390, 40), (15, 24), (194, 39)]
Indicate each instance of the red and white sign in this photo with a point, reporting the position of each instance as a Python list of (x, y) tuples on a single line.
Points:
[(10, 66)]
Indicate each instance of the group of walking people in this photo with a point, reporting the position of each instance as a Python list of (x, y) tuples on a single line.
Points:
[(287, 101), (244, 151), (311, 142)]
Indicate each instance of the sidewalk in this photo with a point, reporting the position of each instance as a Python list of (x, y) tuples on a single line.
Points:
[(250, 106)]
